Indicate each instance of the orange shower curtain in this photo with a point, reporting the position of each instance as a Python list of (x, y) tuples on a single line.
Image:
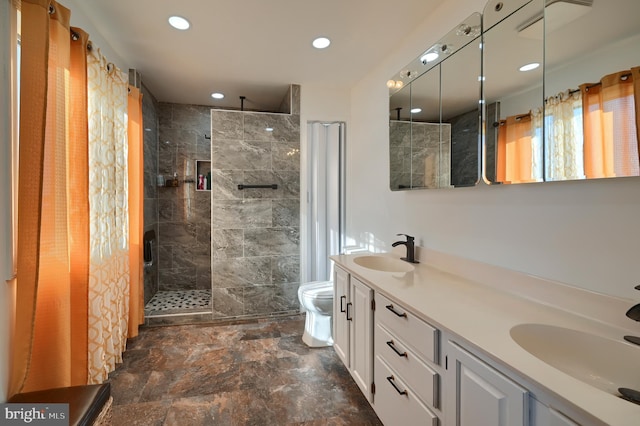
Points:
[(514, 156), (611, 123), (51, 334), (136, 210), (49, 348)]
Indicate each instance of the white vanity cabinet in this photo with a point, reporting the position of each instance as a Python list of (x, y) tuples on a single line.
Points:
[(420, 358), (480, 395), (353, 328), (407, 374)]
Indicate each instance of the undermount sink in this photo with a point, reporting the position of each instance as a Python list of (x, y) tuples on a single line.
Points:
[(604, 363), (383, 263)]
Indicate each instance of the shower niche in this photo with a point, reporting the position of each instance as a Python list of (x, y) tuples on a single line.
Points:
[(203, 175)]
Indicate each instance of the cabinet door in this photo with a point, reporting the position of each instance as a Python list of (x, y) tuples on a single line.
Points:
[(361, 328), (479, 395), (547, 416), (340, 323)]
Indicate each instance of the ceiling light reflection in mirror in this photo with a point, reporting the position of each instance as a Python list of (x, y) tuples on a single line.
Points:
[(321, 43), (179, 23)]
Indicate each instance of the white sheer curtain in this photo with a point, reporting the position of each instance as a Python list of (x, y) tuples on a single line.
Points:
[(564, 141), (109, 223), (537, 146)]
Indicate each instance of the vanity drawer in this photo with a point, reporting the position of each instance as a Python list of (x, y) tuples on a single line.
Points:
[(422, 337), (395, 402), (416, 373)]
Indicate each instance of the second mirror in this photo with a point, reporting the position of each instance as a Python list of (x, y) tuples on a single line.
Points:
[(434, 117)]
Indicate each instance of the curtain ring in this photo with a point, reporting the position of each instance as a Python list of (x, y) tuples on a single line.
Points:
[(52, 9)]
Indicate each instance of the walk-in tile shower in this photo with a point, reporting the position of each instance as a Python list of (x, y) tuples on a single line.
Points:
[(237, 249)]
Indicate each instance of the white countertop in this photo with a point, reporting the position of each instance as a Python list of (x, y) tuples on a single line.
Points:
[(481, 303)]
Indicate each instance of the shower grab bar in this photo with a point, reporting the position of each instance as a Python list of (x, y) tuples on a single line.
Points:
[(272, 186)]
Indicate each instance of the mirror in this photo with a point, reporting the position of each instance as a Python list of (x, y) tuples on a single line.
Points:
[(510, 94), (435, 116), (575, 116)]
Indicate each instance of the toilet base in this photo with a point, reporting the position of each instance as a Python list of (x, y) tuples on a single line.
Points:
[(317, 330)]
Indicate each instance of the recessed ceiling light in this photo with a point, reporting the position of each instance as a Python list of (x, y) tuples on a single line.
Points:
[(529, 67), (321, 43), (179, 23), (416, 110), (217, 95)]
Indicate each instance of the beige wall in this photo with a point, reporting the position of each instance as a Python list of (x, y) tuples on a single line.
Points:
[(81, 20)]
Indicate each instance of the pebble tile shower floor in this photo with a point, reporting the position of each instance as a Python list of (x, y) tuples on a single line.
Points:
[(242, 373), (178, 301)]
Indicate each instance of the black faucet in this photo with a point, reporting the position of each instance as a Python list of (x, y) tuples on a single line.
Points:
[(411, 248), (634, 314)]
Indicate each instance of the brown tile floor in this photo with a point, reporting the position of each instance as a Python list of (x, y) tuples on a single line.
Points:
[(257, 373)]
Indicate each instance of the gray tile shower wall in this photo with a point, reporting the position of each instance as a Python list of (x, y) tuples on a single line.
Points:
[(417, 157), (150, 120), (464, 149), (184, 214), (255, 232)]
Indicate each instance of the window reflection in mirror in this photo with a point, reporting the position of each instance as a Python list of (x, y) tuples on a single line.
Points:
[(592, 89), (426, 150), (588, 127)]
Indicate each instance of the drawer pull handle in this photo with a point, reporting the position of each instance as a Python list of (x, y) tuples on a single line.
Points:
[(390, 307), (391, 380), (342, 299), (349, 317), (392, 346)]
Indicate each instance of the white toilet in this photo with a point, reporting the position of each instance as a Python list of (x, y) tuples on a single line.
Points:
[(316, 298)]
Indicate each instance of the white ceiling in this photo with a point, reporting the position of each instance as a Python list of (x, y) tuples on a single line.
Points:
[(252, 48)]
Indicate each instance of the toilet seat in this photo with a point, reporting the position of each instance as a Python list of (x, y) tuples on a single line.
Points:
[(317, 290)]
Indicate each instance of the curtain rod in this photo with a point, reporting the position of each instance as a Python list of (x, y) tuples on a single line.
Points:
[(623, 77)]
